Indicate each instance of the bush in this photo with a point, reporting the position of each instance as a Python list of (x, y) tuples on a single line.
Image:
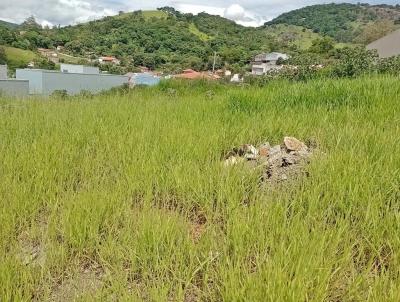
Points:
[(354, 62), (59, 94)]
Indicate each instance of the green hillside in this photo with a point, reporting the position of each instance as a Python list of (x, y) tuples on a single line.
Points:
[(357, 23), (168, 40), (18, 58), (8, 24)]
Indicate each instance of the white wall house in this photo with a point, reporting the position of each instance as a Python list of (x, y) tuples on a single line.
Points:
[(266, 62)]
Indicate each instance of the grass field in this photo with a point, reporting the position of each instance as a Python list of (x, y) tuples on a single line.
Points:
[(122, 197), (202, 36)]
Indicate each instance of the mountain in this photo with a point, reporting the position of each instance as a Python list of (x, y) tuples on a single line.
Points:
[(351, 23), (170, 40), (166, 39), (8, 24)]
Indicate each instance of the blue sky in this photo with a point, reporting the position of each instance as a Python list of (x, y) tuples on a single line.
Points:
[(53, 12)]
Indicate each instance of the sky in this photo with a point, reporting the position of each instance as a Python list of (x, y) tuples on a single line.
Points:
[(65, 12)]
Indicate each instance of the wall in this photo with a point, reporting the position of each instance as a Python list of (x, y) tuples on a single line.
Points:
[(13, 87), (3, 72), (79, 69), (74, 83), (35, 77)]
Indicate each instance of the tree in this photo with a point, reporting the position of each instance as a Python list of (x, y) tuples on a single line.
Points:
[(31, 24), (322, 45)]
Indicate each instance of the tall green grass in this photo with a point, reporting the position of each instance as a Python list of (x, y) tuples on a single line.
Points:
[(123, 196)]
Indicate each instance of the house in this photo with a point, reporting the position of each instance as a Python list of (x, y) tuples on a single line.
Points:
[(266, 62), (387, 46), (45, 82), (109, 60), (12, 87)]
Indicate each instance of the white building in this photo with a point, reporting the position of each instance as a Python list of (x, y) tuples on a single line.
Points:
[(70, 68), (266, 62)]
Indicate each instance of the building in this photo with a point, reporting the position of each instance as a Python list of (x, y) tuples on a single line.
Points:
[(387, 46), (45, 82), (12, 87), (266, 62), (70, 68), (109, 60)]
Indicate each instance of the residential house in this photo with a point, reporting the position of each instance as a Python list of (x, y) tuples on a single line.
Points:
[(109, 60), (387, 46), (266, 62)]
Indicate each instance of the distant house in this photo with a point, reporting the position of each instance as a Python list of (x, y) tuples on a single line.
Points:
[(109, 60), (266, 62), (387, 46)]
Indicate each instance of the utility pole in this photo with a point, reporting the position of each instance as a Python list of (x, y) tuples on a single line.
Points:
[(215, 59)]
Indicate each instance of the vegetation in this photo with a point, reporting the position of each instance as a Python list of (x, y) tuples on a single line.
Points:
[(168, 40), (123, 196), (19, 58), (345, 22)]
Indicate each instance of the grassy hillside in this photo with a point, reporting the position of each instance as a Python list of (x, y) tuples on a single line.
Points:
[(17, 58), (124, 197), (345, 22)]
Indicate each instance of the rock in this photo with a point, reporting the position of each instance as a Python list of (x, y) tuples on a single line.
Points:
[(264, 150), (275, 156), (289, 159), (275, 150), (250, 152), (293, 144)]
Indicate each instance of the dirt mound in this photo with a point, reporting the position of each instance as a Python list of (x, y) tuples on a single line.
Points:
[(278, 163)]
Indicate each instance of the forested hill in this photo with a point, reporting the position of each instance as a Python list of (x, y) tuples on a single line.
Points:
[(354, 23), (169, 40), (163, 39), (8, 24)]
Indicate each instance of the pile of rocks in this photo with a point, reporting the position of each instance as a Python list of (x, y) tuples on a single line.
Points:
[(278, 163)]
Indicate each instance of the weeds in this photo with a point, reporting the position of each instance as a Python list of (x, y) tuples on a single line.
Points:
[(123, 196)]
